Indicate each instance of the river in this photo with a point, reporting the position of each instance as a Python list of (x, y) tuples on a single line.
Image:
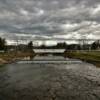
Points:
[(50, 81)]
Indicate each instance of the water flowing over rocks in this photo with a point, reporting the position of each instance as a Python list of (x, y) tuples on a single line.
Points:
[(80, 81)]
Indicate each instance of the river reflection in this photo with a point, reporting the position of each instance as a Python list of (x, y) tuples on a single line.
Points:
[(43, 81)]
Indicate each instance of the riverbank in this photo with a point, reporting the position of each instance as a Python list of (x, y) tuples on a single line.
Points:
[(91, 57), (6, 58)]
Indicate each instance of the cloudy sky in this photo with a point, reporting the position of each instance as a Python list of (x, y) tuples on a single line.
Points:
[(39, 19)]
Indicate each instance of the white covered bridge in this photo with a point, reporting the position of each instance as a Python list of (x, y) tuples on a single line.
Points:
[(49, 50)]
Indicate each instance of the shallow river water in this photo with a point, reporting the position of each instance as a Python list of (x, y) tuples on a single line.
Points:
[(49, 81)]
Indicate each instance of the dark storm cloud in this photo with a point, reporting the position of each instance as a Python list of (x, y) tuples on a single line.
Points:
[(49, 18)]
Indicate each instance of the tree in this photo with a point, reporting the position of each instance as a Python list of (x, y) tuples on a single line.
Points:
[(61, 45), (30, 49), (95, 45), (2, 44), (30, 45)]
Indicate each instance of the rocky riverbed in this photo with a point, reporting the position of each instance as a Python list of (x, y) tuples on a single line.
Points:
[(80, 81)]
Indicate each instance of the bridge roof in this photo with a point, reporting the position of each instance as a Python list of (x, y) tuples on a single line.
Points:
[(49, 50)]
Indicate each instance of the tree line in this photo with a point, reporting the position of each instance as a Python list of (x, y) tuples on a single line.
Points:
[(63, 45), (4, 47), (29, 47)]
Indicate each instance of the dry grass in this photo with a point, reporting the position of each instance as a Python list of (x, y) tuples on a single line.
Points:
[(92, 57), (12, 56)]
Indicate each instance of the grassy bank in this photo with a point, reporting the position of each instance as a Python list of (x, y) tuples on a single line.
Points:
[(91, 57), (10, 57)]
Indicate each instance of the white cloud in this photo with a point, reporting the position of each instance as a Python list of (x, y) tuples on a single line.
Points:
[(42, 19), (24, 12), (69, 26), (96, 10)]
